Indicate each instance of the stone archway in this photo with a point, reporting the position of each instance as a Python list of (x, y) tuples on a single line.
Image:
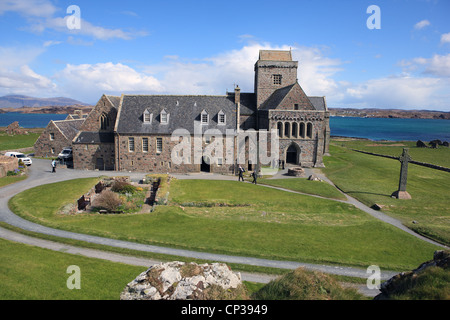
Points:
[(293, 154)]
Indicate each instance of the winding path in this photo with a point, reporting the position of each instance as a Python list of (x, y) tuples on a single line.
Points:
[(40, 173)]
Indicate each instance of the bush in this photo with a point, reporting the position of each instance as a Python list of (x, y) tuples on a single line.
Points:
[(123, 187), (301, 284), (107, 200)]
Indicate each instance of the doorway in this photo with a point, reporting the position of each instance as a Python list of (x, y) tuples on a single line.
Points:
[(206, 164), (292, 154)]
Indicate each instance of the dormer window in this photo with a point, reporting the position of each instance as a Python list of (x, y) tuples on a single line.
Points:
[(147, 116), (221, 118), (204, 117), (164, 117)]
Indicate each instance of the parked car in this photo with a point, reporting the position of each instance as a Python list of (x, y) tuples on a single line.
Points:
[(66, 154), (20, 156)]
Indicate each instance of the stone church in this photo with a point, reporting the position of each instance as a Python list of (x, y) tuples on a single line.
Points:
[(134, 132)]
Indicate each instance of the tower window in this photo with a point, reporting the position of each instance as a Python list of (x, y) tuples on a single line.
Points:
[(277, 79), (104, 122)]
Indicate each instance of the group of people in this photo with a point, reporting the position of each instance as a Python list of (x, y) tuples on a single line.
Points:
[(241, 174)]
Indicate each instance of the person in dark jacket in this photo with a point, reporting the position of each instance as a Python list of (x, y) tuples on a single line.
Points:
[(241, 173)]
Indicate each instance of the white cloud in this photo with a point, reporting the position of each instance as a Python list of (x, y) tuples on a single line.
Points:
[(421, 24), (445, 38), (40, 16), (29, 8), (89, 81), (438, 65), (399, 92)]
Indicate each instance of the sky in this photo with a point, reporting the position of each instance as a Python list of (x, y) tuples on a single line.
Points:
[(394, 56)]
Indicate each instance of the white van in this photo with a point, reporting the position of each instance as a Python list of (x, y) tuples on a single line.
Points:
[(19, 156)]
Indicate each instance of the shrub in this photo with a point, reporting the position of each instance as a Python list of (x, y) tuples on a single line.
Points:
[(301, 284), (107, 200), (123, 187)]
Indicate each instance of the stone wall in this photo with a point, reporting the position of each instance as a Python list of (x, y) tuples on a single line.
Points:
[(94, 156), (7, 164), (45, 146), (151, 161)]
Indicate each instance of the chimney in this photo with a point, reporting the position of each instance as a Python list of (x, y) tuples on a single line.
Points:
[(237, 95)]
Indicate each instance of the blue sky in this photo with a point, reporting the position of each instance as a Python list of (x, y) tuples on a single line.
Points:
[(206, 47)]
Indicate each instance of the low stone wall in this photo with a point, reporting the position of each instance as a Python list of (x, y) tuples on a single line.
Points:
[(7, 164)]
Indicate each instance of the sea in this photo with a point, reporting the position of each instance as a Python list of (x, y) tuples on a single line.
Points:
[(394, 129)]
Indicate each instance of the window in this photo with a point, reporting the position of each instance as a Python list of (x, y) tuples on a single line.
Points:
[(277, 78), (52, 150), (302, 130), (280, 129), (296, 106), (147, 116), (204, 117), (52, 136), (164, 117), (287, 129), (131, 144), (104, 121), (219, 162), (294, 130), (221, 117), (159, 145), (144, 144), (309, 130)]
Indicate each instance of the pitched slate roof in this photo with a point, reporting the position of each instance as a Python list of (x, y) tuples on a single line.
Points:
[(69, 128), (184, 112), (87, 137), (278, 96)]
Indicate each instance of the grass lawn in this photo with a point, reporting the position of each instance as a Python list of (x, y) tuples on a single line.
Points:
[(11, 179), (304, 185), (33, 273), (8, 142), (372, 179), (250, 221)]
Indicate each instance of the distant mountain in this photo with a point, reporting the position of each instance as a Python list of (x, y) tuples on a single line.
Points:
[(19, 101), (389, 113)]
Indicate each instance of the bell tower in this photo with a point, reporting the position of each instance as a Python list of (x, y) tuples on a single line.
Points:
[(273, 70)]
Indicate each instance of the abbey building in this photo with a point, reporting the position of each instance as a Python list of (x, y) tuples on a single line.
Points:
[(136, 132)]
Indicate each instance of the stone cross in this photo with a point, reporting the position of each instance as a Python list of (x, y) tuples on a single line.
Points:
[(401, 193)]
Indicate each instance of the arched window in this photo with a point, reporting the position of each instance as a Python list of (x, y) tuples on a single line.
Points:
[(104, 121), (302, 130), (294, 130), (280, 129), (287, 129), (309, 130)]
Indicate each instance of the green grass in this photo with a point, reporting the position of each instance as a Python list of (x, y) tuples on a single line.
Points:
[(252, 221), (301, 284), (303, 185), (8, 142), (439, 156), (31, 273), (372, 180), (11, 179)]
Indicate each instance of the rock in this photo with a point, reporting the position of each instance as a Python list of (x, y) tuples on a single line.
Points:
[(441, 259), (296, 172), (420, 144), (181, 281), (314, 178)]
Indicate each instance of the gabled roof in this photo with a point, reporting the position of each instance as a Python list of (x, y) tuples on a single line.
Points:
[(115, 101), (278, 96), (69, 128), (184, 113), (275, 55)]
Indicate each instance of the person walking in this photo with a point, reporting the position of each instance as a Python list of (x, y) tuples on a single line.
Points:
[(54, 166), (255, 176), (241, 173)]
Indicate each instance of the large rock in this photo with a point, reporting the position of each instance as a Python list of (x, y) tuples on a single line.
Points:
[(185, 281), (441, 259)]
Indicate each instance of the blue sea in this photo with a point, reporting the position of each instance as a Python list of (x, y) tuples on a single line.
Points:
[(29, 120), (370, 128), (391, 128)]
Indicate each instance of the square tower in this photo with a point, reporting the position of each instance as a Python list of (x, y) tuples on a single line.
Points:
[(273, 70)]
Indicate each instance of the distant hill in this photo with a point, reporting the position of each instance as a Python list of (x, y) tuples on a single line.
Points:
[(19, 101), (389, 113)]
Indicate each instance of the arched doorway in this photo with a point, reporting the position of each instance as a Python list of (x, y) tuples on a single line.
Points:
[(292, 154), (206, 164)]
